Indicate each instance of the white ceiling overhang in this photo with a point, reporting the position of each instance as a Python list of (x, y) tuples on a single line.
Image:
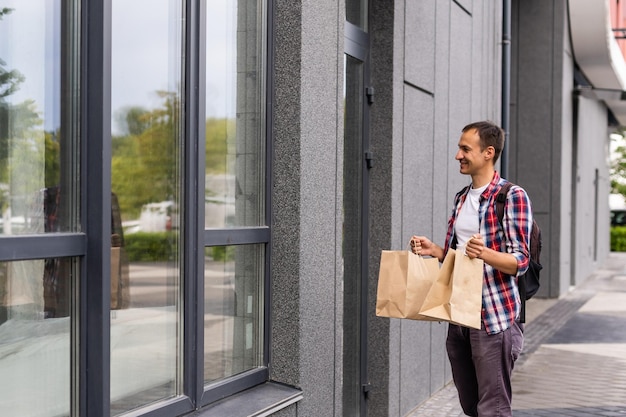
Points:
[(597, 54)]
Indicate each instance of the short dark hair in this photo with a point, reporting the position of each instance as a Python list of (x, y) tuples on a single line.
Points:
[(490, 134)]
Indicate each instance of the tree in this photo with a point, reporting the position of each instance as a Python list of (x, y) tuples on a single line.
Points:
[(9, 83), (618, 163), (217, 139), (9, 80), (133, 120), (145, 163)]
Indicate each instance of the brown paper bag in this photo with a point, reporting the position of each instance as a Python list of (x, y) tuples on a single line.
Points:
[(456, 295), (115, 277), (404, 280)]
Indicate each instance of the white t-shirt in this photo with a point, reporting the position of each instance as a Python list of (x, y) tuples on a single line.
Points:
[(467, 223)]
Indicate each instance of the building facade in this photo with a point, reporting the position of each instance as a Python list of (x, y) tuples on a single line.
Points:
[(195, 194)]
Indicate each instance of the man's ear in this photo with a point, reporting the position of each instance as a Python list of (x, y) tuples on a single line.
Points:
[(489, 152)]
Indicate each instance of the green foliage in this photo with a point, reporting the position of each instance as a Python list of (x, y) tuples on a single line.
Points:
[(145, 163), (127, 181), (223, 253), (5, 10), (219, 133), (618, 171), (14, 119), (52, 159), (618, 168), (19, 118), (151, 247), (134, 120), (618, 238), (9, 79), (26, 147)]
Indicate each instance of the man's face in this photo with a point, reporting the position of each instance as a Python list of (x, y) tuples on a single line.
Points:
[(469, 155)]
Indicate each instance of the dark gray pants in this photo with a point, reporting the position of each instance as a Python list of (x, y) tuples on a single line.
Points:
[(481, 368)]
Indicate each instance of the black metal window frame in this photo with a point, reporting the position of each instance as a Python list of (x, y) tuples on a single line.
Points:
[(91, 326)]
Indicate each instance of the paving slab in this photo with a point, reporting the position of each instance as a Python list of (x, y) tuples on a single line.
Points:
[(574, 359)]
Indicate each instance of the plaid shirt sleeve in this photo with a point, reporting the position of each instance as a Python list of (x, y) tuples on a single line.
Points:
[(501, 300), (518, 222)]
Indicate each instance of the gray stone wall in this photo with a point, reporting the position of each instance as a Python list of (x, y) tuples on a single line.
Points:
[(537, 138), (306, 282), (441, 72), (320, 223), (435, 66), (286, 193)]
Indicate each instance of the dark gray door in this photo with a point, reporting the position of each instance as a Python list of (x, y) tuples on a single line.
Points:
[(356, 163)]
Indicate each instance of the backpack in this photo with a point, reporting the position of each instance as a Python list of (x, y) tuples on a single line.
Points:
[(528, 283)]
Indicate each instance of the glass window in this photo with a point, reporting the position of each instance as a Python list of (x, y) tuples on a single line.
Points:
[(234, 187), (147, 143), (35, 344), (39, 193), (235, 121), (233, 327), (353, 217), (39, 150), (356, 13)]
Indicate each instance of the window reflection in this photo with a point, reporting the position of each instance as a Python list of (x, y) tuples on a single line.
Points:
[(352, 232), (232, 310), (234, 185), (357, 12), (235, 128), (146, 165), (39, 149), (34, 348)]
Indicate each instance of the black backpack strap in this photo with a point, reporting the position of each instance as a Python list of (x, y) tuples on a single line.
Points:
[(501, 200), (454, 239)]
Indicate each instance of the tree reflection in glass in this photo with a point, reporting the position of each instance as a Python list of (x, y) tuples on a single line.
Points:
[(146, 314)]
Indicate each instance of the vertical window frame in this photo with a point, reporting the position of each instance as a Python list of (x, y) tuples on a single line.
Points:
[(94, 298)]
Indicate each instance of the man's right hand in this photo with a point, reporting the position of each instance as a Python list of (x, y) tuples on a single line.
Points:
[(421, 245)]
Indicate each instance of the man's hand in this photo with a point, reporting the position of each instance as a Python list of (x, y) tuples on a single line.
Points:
[(475, 246), (421, 245), (502, 261)]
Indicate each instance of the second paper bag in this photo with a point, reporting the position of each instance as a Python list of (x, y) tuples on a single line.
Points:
[(456, 295)]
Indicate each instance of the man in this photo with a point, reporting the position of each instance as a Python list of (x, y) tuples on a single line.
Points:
[(482, 360)]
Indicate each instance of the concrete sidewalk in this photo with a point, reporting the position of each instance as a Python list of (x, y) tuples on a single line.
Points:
[(574, 359)]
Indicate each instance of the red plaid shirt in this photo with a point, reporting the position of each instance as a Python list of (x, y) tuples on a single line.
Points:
[(501, 300)]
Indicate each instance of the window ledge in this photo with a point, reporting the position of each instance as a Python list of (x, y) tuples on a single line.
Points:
[(262, 400)]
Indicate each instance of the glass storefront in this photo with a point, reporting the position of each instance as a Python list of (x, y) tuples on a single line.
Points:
[(185, 314)]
